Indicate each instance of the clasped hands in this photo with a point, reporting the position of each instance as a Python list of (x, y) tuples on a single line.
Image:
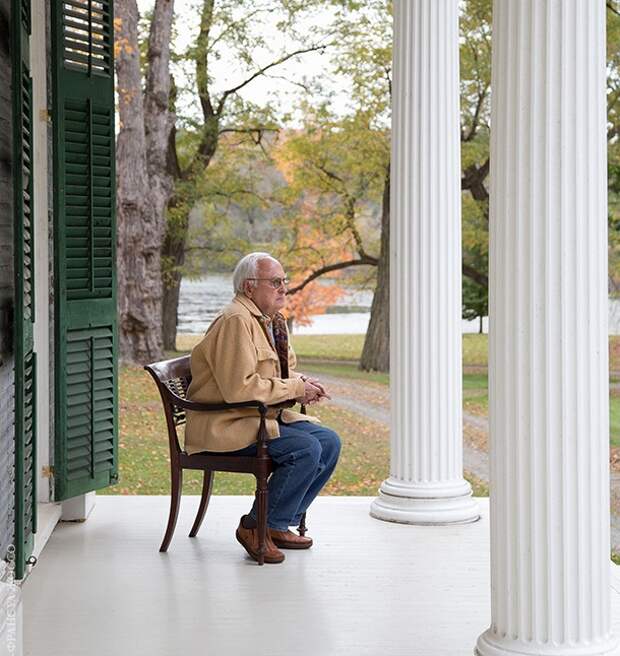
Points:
[(313, 391)]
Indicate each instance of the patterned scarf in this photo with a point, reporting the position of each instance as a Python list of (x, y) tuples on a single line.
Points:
[(280, 337)]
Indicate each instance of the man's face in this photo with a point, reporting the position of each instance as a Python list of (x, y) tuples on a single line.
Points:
[(266, 298)]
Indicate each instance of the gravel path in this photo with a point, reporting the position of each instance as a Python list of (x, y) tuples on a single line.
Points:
[(372, 400)]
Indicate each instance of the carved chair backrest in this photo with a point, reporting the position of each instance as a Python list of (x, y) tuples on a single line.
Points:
[(174, 376)]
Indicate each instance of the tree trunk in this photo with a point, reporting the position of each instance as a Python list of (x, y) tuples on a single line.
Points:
[(376, 352), (159, 120), (139, 281), (142, 185), (174, 252)]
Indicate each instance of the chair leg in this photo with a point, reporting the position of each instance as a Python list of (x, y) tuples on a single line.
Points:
[(207, 484), (301, 529), (261, 516), (175, 500)]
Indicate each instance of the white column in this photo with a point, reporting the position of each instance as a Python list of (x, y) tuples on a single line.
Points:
[(548, 361), (426, 484)]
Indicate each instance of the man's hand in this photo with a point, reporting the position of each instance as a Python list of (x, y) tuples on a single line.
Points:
[(319, 385), (311, 394), (314, 391)]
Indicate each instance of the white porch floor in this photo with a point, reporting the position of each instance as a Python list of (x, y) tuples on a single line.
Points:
[(365, 588)]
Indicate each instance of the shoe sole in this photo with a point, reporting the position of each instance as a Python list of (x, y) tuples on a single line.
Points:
[(290, 545), (254, 556)]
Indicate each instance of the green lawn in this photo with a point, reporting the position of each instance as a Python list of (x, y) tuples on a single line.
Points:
[(349, 347), (328, 347), (143, 446), (342, 370), (614, 420)]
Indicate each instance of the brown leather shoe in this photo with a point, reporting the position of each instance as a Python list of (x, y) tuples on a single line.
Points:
[(289, 540), (248, 538)]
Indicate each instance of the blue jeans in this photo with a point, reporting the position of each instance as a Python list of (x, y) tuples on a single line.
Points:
[(305, 456)]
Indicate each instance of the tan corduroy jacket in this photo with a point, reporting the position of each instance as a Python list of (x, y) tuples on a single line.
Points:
[(235, 362)]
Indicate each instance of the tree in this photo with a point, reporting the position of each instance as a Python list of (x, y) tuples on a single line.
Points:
[(144, 182), (226, 26), (613, 138), (366, 59), (333, 170), (376, 351)]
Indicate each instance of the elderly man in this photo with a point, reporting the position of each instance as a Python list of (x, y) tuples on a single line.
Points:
[(245, 355)]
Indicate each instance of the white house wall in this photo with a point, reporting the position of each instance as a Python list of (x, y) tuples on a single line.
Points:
[(42, 282)]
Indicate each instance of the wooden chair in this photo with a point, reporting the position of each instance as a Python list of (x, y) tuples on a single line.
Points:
[(172, 378)]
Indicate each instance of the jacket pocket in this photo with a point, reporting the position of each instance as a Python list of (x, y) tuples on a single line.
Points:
[(263, 353), (267, 364)]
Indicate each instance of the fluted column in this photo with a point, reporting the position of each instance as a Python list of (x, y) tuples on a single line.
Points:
[(426, 484), (548, 361)]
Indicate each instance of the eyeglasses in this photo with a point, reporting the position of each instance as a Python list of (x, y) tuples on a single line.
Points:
[(276, 283)]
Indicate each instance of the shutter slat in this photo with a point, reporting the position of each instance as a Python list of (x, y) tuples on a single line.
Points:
[(85, 299), (25, 358)]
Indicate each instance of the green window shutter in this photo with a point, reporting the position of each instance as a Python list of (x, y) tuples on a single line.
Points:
[(25, 359), (86, 449)]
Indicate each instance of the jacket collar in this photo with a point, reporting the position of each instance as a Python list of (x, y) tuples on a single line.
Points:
[(248, 304)]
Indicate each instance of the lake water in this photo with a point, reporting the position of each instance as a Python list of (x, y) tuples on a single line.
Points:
[(200, 300)]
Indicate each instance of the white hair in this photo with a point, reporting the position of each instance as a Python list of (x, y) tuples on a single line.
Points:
[(246, 268)]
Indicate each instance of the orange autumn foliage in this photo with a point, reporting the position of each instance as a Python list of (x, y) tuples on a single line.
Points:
[(313, 299)]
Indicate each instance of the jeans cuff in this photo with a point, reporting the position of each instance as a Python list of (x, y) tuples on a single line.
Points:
[(275, 528)]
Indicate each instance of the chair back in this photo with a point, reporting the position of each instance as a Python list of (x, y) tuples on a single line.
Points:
[(172, 376)]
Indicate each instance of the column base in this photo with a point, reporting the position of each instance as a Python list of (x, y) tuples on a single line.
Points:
[(491, 645), (433, 504)]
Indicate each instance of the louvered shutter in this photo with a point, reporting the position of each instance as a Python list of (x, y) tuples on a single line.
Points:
[(25, 365), (7, 290), (86, 452)]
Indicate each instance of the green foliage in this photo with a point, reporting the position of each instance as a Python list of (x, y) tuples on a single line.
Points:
[(475, 67), (475, 300), (363, 57), (334, 170), (212, 192), (357, 41), (613, 133), (614, 420)]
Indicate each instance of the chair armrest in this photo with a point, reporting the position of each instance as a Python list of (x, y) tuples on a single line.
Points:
[(218, 407)]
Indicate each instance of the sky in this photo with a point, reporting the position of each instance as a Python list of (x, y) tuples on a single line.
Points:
[(260, 91)]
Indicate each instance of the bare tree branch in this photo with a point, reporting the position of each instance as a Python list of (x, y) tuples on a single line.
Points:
[(372, 261), (350, 218), (296, 83), (236, 24), (476, 276), (202, 73), (262, 71), (473, 180), (476, 118)]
